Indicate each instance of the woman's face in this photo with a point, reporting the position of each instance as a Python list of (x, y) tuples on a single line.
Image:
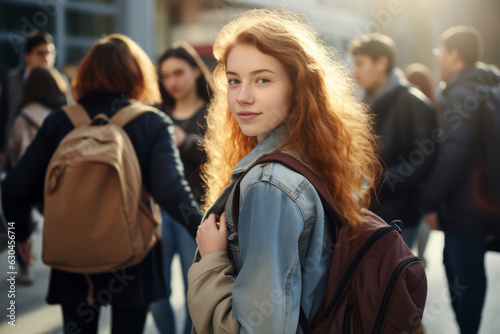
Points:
[(178, 77), (259, 90)]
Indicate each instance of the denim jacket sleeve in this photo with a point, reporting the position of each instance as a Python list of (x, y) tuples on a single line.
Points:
[(267, 290), (265, 295)]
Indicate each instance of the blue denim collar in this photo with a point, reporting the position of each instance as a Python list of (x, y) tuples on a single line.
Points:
[(271, 142)]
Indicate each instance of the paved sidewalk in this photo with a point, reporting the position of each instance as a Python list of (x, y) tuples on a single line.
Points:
[(438, 316), (34, 316)]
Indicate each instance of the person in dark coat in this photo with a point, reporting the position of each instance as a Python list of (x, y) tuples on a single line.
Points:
[(114, 71), (185, 86), (43, 92), (39, 51), (449, 201), (421, 77), (405, 121)]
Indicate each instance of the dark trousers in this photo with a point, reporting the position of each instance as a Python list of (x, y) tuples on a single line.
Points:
[(84, 320), (463, 259)]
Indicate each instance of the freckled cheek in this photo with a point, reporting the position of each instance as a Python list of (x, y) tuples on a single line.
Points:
[(231, 99), (231, 103)]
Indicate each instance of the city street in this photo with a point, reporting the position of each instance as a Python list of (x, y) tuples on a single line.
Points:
[(34, 316)]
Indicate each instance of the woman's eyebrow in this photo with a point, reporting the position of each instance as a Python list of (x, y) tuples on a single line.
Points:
[(252, 73)]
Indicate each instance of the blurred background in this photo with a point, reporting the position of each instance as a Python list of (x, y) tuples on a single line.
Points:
[(415, 25)]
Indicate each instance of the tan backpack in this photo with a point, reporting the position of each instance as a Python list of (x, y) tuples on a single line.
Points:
[(96, 219)]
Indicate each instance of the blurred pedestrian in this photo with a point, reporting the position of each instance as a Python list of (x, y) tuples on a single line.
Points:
[(39, 51), (185, 86), (404, 120), (43, 92), (115, 71), (421, 77), (277, 90), (448, 199)]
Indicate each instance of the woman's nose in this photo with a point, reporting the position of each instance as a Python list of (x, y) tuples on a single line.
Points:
[(245, 95)]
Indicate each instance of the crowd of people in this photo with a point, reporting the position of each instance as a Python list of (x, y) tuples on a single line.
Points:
[(408, 150)]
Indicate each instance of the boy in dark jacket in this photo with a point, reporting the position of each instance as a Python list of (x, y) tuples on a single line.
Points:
[(39, 51), (449, 201), (406, 123)]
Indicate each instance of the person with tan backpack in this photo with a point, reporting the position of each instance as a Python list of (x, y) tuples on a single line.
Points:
[(97, 166)]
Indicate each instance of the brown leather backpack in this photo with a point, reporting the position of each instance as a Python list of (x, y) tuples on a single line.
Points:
[(95, 216), (375, 283)]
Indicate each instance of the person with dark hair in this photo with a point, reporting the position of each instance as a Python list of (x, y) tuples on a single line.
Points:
[(115, 72), (404, 119), (421, 77), (43, 92), (39, 51), (449, 201), (186, 87)]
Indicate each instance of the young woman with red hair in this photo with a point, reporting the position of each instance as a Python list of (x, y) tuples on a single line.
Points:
[(277, 90)]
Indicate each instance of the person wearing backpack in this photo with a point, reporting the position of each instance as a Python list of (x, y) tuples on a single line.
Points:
[(449, 200), (186, 87), (39, 51), (99, 162), (43, 92), (265, 247)]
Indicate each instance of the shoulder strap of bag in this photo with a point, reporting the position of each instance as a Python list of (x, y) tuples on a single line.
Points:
[(77, 115), (30, 120), (295, 165), (127, 114)]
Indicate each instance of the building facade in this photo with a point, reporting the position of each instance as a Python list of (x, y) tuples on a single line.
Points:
[(154, 24)]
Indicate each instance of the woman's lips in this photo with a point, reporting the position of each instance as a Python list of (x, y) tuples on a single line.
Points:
[(247, 115), (174, 91)]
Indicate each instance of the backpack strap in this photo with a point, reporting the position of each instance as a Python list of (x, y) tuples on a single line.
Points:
[(295, 165), (77, 115), (130, 112), (30, 120)]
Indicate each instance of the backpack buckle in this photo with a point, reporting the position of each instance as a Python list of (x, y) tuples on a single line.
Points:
[(55, 178), (397, 224)]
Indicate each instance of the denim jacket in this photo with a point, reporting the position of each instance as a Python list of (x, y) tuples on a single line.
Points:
[(275, 263)]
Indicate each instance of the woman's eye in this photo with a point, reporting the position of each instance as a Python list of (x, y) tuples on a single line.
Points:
[(233, 81), (263, 80)]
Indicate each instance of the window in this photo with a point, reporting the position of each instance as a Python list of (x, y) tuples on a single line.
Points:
[(19, 18), (84, 24)]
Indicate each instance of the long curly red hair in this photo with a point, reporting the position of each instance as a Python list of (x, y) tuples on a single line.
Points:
[(327, 126)]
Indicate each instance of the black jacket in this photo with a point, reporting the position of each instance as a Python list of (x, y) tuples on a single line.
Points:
[(12, 86), (404, 120), (160, 168), (449, 189), (192, 150)]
